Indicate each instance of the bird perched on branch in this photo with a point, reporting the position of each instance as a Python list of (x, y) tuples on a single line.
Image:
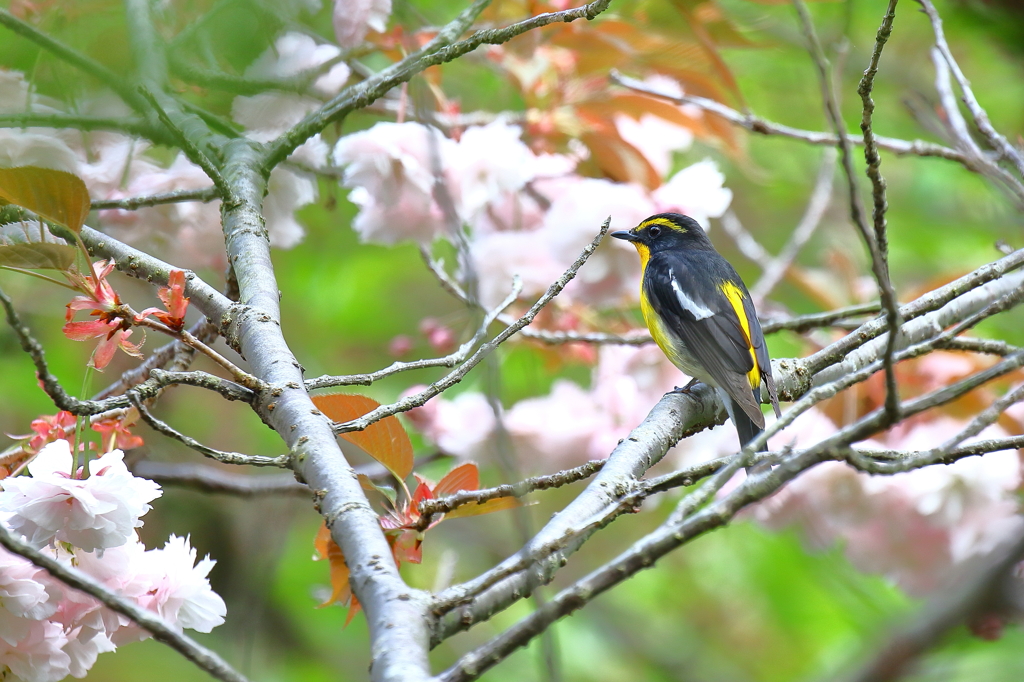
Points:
[(700, 314)]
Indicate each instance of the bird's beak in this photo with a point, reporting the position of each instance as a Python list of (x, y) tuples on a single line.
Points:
[(625, 234)]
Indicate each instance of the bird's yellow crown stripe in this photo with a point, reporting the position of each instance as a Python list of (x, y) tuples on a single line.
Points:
[(663, 222), (735, 296)]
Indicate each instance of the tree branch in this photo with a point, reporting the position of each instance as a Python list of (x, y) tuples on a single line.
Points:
[(999, 143), (448, 503), (762, 126), (207, 479), (438, 51), (134, 127)]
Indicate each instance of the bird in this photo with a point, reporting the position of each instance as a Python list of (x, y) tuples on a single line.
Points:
[(702, 317)]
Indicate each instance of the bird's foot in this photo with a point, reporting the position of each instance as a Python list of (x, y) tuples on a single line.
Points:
[(685, 390)]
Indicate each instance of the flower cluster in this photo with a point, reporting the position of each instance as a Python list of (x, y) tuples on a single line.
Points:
[(566, 427), (530, 214), (47, 630)]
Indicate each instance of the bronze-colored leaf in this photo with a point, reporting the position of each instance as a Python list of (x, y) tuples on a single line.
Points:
[(497, 504), (54, 195), (463, 477), (386, 441)]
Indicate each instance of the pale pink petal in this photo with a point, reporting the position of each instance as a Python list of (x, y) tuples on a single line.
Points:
[(354, 18)]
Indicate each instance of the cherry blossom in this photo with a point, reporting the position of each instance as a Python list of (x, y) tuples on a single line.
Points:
[(353, 18), (655, 138), (388, 168), (169, 582), (612, 273), (696, 191), (39, 656), (97, 512), (499, 256), (461, 426), (23, 597), (490, 162)]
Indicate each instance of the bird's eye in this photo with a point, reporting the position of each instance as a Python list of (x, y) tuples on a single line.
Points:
[(654, 231)]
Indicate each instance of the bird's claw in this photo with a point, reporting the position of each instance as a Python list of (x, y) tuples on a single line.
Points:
[(685, 390)]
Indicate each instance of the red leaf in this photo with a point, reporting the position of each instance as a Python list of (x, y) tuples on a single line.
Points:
[(463, 477), (386, 441), (55, 195)]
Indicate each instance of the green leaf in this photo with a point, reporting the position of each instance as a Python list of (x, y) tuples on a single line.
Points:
[(51, 194), (30, 246), (38, 256)]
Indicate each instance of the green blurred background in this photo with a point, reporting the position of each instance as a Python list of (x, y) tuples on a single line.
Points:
[(741, 604)]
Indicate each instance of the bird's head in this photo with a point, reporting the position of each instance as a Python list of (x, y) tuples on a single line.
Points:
[(666, 232)]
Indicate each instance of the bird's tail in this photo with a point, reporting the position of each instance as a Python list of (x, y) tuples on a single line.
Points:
[(748, 431), (745, 426)]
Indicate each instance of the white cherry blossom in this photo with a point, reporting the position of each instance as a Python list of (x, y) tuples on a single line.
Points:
[(97, 512)]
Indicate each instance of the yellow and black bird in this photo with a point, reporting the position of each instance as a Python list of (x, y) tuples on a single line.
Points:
[(700, 314)]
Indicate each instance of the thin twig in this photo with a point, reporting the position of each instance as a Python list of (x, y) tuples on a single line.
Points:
[(450, 360), (1002, 146), (880, 206), (161, 630), (135, 127), (204, 195), (763, 127), (191, 149), (281, 461), (444, 505), (207, 479), (879, 266), (486, 349)]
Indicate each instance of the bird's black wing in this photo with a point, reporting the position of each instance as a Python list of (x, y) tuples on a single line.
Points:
[(685, 291)]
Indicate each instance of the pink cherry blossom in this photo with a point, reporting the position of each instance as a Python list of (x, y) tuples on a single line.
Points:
[(461, 426), (576, 214), (389, 170), (39, 656), (169, 582), (354, 18), (489, 163), (696, 191), (499, 256), (97, 512), (556, 430), (25, 596), (655, 138), (297, 53)]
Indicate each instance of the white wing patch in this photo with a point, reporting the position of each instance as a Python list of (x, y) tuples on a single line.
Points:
[(689, 305)]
